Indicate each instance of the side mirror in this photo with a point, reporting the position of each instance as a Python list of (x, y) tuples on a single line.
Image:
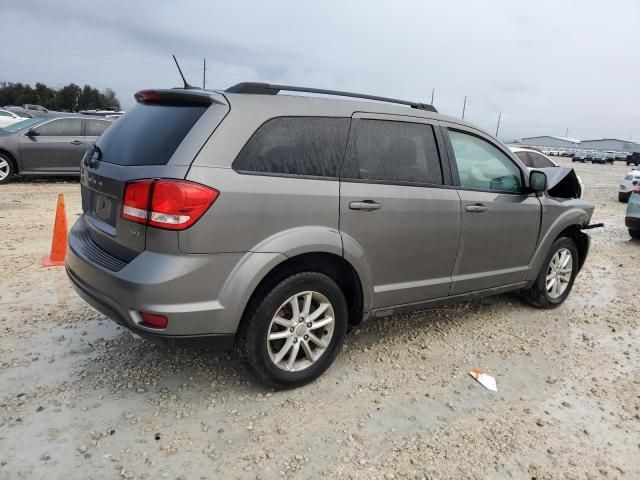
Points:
[(32, 133), (538, 181)]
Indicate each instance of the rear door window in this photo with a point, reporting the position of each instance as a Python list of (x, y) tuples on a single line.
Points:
[(307, 146), (385, 151), (524, 158), (540, 161), (95, 128), (67, 127), (148, 134)]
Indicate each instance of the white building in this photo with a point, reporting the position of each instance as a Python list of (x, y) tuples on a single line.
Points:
[(614, 144), (551, 141)]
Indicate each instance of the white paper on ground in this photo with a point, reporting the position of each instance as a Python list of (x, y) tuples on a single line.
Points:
[(486, 380)]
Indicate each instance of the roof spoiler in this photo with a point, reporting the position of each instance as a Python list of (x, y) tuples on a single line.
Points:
[(269, 89), (175, 96)]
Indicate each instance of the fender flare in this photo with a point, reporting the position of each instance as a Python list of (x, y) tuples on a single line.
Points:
[(574, 217), (256, 264)]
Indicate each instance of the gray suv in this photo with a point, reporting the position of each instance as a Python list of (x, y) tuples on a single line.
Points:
[(272, 223)]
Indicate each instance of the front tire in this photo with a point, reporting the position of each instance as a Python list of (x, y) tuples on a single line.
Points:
[(6, 169), (556, 277), (293, 330)]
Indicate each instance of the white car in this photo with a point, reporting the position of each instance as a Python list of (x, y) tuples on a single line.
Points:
[(627, 184), (8, 118), (535, 159)]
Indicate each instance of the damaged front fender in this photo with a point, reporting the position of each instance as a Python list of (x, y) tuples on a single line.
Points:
[(562, 182)]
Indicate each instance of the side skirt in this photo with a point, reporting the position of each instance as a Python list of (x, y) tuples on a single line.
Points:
[(410, 307)]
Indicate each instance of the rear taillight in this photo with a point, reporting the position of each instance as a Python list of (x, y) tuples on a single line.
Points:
[(636, 189), (166, 204)]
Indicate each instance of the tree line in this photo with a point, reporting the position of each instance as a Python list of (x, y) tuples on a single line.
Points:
[(70, 98)]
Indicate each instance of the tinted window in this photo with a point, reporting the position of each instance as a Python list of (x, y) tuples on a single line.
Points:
[(483, 166), (524, 158), (5, 114), (540, 161), (95, 128), (311, 146), (148, 134), (68, 127), (392, 151)]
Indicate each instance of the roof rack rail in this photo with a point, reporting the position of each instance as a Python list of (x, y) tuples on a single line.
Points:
[(268, 89)]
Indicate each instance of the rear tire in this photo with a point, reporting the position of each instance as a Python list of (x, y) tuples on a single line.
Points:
[(623, 198), (7, 169), (271, 314), (555, 267), (635, 234)]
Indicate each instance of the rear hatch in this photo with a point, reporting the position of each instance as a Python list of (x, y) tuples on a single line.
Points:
[(158, 138)]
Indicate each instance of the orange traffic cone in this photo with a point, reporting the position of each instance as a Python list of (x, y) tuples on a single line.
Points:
[(59, 242)]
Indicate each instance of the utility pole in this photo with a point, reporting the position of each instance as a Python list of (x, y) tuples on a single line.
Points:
[(204, 73), (464, 106), (566, 135), (498, 126), (433, 91)]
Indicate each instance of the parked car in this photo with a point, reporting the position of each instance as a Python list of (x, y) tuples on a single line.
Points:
[(580, 156), (632, 217), (7, 118), (273, 222), (21, 112), (627, 184), (533, 159), (36, 108), (601, 158), (47, 146), (633, 159)]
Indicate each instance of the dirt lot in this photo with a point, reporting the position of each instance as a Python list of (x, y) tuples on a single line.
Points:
[(80, 398)]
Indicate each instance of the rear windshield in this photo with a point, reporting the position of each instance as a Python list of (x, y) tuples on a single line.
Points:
[(148, 134)]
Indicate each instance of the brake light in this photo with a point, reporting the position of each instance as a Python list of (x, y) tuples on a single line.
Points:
[(636, 189), (166, 204), (147, 96)]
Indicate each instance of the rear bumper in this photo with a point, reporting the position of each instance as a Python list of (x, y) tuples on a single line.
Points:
[(185, 288), (223, 342)]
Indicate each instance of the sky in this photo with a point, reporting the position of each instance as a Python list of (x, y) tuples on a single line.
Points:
[(547, 66)]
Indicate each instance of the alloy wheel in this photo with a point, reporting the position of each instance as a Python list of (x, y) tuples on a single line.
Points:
[(559, 273), (5, 168), (300, 331)]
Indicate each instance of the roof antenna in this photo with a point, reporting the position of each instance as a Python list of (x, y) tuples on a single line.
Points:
[(184, 80)]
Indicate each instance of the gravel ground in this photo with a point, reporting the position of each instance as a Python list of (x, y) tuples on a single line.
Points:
[(80, 398)]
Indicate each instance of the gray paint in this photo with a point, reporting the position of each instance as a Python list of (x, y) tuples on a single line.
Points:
[(421, 247)]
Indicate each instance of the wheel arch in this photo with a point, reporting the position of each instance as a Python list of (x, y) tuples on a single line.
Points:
[(330, 264), (12, 159), (568, 225)]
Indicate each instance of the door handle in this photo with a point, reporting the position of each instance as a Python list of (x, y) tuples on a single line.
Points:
[(367, 205), (476, 208), (77, 142)]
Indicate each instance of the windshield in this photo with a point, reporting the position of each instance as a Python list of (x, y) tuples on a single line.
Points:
[(16, 127)]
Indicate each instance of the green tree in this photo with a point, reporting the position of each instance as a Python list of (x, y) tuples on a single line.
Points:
[(70, 98), (67, 97)]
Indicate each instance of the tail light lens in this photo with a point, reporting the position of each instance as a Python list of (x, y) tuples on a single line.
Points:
[(636, 189), (154, 321), (166, 204)]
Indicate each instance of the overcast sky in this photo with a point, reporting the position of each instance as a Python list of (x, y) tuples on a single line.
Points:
[(546, 65)]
